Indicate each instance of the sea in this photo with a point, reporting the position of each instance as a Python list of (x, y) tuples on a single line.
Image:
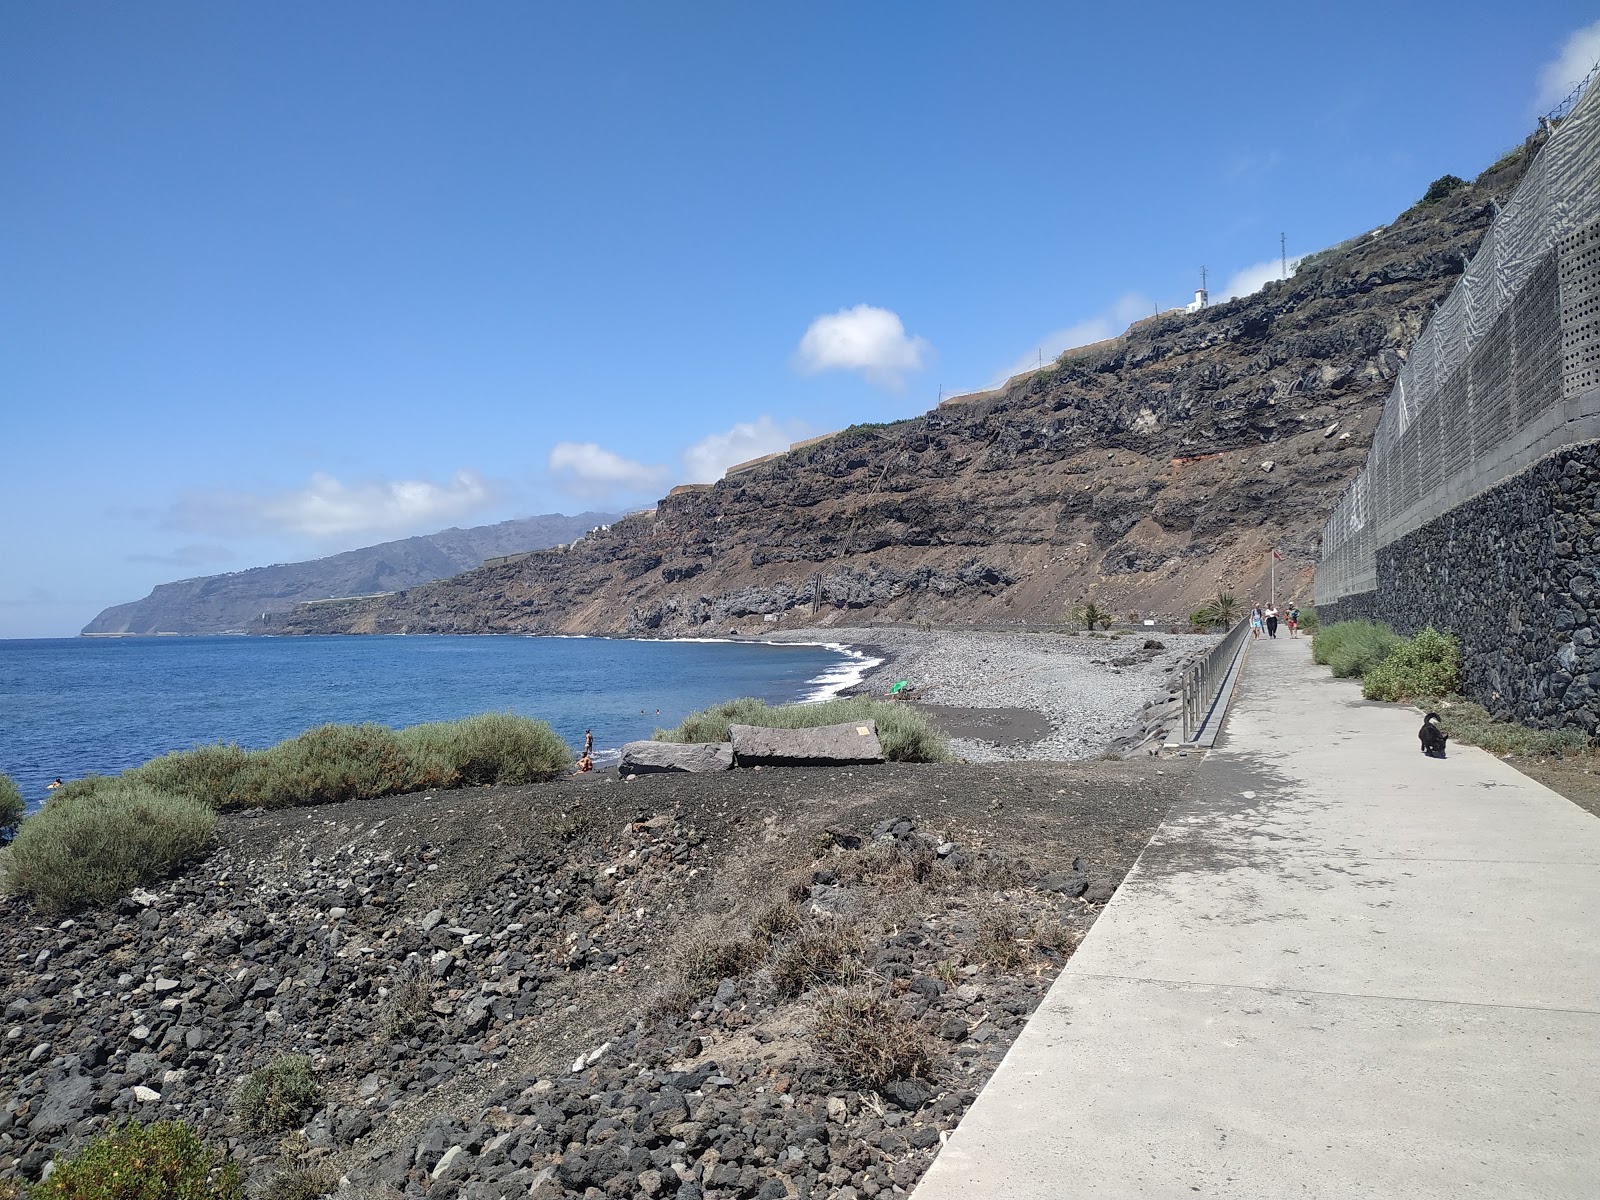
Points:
[(72, 706)]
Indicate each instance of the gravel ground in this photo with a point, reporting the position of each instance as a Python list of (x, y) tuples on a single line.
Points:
[(1094, 691), (576, 989)]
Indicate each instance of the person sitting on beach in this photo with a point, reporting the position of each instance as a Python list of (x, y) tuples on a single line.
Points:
[(586, 763)]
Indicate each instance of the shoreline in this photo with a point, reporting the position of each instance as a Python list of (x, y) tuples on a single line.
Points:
[(989, 689)]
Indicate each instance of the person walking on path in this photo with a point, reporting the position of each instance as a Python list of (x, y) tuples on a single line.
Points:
[(1255, 623), (1293, 622), (1272, 622)]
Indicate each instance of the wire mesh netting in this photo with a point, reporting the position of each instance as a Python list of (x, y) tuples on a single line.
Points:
[(1518, 332)]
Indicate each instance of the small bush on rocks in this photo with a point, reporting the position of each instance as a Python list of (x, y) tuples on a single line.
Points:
[(92, 848), (410, 1001), (306, 1184), (276, 1096), (776, 921), (906, 735), (823, 951), (11, 807), (871, 1039), (1352, 648), (164, 1161), (1055, 936), (708, 960), (998, 931), (1428, 664)]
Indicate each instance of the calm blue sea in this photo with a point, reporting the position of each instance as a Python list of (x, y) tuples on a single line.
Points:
[(75, 705)]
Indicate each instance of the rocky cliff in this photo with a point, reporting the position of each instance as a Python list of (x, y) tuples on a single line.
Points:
[(228, 603), (1144, 472)]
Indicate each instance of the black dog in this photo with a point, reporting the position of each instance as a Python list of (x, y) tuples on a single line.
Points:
[(1432, 737)]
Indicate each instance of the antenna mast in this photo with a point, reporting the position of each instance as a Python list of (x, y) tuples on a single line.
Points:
[(1283, 255)]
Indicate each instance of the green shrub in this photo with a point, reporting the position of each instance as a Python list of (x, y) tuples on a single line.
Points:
[(164, 1161), (92, 848), (11, 807), (1428, 664), (332, 763), (215, 773), (1309, 621), (1352, 648), (1442, 187), (490, 748), (871, 1039), (906, 734), (276, 1096), (326, 765)]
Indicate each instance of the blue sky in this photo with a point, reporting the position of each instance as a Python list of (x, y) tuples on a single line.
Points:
[(284, 279)]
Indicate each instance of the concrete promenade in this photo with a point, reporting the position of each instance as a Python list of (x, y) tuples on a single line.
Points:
[(1339, 970)]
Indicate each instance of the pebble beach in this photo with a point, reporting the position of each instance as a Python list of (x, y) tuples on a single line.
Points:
[(1089, 690)]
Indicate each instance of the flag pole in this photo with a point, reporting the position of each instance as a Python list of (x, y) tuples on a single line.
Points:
[(1272, 574)]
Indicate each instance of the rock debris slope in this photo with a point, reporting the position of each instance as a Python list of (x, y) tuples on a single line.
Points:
[(541, 991), (1141, 472)]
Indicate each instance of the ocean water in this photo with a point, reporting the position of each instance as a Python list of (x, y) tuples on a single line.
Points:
[(71, 706)]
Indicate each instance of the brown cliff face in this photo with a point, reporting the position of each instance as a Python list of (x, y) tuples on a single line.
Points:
[(1131, 473)]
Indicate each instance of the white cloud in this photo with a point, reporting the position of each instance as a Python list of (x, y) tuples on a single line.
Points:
[(1127, 309), (325, 507), (866, 339), (591, 472), (1246, 281), (707, 459), (1561, 74), (196, 554)]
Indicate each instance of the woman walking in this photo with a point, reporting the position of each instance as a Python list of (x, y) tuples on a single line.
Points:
[(1255, 623)]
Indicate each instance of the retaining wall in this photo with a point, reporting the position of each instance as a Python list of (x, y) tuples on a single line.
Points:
[(1515, 574)]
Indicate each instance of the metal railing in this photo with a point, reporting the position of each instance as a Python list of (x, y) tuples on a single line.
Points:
[(1203, 681)]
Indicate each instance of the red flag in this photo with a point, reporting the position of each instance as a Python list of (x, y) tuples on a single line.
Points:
[(1277, 556)]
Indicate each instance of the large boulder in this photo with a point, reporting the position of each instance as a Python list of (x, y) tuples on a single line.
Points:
[(694, 757), (846, 745)]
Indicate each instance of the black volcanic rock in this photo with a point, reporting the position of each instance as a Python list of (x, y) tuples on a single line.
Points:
[(233, 602)]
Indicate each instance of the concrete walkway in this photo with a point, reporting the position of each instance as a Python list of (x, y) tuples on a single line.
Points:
[(1340, 969)]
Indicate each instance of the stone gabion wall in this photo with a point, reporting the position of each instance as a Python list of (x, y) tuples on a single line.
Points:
[(1515, 574)]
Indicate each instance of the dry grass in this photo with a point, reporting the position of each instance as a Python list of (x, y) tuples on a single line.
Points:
[(824, 950), (998, 941), (707, 959), (871, 1039), (410, 1001)]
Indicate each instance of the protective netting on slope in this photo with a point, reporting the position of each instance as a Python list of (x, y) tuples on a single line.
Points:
[(1518, 334)]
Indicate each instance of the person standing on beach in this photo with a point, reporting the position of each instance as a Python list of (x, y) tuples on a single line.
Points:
[(1272, 622), (1255, 623), (588, 743)]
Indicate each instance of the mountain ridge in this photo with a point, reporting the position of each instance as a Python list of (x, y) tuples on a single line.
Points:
[(234, 601), (1144, 472)]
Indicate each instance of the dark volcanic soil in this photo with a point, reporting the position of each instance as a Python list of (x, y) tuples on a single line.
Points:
[(581, 988)]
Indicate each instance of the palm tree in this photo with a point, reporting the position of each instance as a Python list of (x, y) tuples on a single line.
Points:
[(1089, 614), (1227, 608)]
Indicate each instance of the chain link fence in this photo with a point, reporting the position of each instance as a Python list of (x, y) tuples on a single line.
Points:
[(1507, 369)]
